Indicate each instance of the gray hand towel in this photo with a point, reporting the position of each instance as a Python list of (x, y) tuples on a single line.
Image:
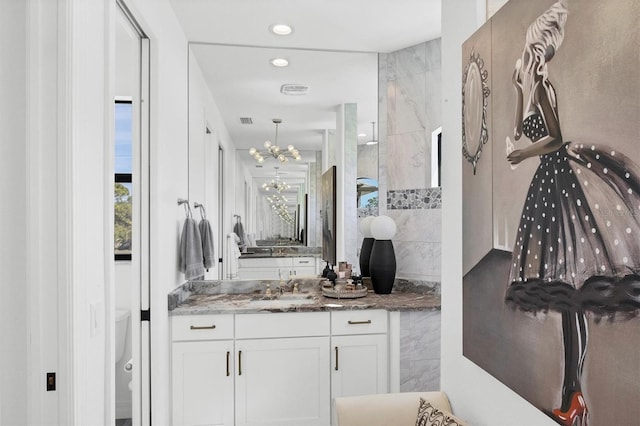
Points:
[(207, 243), (239, 231), (191, 251)]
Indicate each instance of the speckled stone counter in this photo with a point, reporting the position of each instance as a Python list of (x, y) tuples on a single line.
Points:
[(240, 296)]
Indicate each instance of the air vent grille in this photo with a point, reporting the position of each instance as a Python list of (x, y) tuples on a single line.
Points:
[(246, 120), (294, 89)]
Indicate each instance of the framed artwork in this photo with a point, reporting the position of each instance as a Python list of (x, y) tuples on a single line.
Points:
[(551, 223), (329, 215)]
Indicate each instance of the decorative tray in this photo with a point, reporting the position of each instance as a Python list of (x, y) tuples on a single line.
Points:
[(344, 294)]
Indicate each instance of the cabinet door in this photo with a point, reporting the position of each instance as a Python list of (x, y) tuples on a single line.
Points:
[(202, 380), (359, 365), (283, 381), (304, 266)]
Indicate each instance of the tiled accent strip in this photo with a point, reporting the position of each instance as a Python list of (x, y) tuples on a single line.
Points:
[(414, 199)]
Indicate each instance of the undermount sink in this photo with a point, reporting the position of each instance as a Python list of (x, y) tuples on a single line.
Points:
[(283, 300), (294, 296)]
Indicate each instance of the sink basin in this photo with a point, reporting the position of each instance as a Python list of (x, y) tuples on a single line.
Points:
[(282, 301), (294, 296)]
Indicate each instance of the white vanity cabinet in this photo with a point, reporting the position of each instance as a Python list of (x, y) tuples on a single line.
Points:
[(275, 368), (273, 268), (359, 353), (282, 369), (202, 370)]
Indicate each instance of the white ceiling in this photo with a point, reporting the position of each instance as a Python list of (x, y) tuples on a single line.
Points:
[(333, 49)]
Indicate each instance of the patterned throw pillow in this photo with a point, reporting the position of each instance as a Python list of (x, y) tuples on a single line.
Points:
[(428, 415)]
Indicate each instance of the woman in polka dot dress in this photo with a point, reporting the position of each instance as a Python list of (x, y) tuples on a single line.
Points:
[(577, 247)]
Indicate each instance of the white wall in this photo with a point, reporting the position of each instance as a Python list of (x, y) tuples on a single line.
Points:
[(203, 156), (475, 395), (13, 255)]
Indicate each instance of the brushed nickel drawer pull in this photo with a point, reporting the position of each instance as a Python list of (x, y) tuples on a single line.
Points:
[(336, 358), (228, 354), (203, 327), (239, 363), (303, 261), (359, 322)]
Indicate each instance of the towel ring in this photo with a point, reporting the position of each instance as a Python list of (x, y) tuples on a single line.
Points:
[(203, 212), (187, 208)]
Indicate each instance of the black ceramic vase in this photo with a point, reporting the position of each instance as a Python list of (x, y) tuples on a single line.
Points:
[(382, 266), (365, 254)]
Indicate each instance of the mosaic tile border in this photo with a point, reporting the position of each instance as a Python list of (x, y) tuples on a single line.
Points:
[(414, 199)]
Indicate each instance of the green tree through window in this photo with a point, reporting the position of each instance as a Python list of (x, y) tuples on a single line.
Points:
[(123, 178), (122, 214)]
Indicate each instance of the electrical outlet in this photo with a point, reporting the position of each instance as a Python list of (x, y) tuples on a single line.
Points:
[(51, 382)]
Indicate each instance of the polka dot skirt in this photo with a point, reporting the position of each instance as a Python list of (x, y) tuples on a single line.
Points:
[(580, 220)]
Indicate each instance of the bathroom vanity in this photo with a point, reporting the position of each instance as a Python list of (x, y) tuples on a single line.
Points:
[(276, 267), (240, 357)]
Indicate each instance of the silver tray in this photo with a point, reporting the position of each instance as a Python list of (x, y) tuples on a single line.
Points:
[(344, 294)]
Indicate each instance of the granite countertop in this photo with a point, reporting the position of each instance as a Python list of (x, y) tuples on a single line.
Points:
[(238, 296), (263, 255)]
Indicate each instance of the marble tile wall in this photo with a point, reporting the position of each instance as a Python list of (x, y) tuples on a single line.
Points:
[(409, 95), (419, 351), (410, 110)]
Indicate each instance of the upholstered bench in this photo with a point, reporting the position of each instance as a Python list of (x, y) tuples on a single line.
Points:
[(395, 409)]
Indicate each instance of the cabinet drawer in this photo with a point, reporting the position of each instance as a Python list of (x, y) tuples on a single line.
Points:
[(302, 324), (202, 327), (265, 262), (359, 322), (304, 261)]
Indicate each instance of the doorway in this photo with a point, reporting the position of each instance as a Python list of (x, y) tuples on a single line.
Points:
[(131, 214)]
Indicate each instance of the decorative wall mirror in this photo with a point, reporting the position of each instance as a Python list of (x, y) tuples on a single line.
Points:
[(475, 92)]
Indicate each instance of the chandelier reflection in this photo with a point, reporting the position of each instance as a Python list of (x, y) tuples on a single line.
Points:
[(273, 150), (275, 184), (279, 205)]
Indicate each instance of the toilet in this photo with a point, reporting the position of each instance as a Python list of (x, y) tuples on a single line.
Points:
[(123, 379), (122, 322)]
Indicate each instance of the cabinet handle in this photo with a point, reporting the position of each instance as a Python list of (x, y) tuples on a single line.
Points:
[(303, 261), (228, 355), (203, 327), (239, 363), (359, 322), (336, 358)]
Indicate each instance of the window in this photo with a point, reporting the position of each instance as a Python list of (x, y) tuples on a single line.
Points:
[(123, 166)]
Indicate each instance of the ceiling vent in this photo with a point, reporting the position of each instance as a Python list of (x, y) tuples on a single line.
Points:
[(294, 89), (246, 120)]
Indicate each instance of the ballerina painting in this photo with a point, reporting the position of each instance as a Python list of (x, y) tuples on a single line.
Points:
[(576, 249), (568, 257)]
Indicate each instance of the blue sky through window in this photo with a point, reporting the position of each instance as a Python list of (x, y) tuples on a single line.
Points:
[(364, 199), (123, 136)]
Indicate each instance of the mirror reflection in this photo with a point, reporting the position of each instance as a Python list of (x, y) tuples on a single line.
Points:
[(249, 95)]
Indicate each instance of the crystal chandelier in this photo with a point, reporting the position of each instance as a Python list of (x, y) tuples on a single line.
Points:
[(273, 150), (275, 184)]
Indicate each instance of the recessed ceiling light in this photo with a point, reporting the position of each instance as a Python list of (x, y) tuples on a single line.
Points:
[(279, 62), (281, 29)]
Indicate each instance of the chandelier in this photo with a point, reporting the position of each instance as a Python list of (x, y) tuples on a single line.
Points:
[(275, 184), (273, 150), (279, 206)]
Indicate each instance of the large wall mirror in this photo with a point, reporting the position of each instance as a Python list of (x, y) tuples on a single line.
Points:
[(249, 92)]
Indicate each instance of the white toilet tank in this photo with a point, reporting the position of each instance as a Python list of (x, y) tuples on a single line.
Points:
[(122, 322)]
